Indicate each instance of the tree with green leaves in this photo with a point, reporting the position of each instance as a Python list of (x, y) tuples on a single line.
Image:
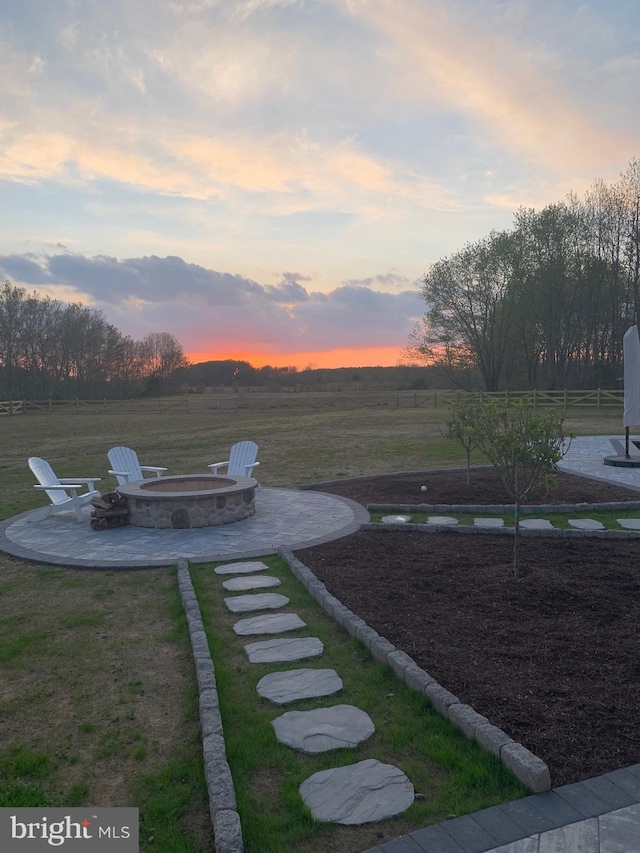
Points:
[(461, 425), (524, 445)]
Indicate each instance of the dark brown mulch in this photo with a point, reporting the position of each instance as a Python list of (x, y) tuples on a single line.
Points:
[(451, 487), (552, 658)]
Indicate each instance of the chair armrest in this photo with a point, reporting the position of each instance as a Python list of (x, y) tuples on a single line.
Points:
[(70, 480), (119, 473), (66, 488), (157, 471), (217, 465)]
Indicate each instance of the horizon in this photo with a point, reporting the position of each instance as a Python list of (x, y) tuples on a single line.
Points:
[(272, 178)]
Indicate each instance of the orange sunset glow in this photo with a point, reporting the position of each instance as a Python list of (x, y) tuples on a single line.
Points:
[(368, 357)]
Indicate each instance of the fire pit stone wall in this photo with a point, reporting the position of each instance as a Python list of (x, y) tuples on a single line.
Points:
[(186, 502)]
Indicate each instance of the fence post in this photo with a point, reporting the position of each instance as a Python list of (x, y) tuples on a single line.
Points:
[(535, 398), (50, 406), (598, 399), (10, 407), (564, 405)]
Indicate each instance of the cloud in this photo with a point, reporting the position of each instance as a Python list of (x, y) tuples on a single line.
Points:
[(205, 308), (522, 94)]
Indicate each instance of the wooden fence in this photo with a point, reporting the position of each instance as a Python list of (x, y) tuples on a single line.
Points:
[(310, 401)]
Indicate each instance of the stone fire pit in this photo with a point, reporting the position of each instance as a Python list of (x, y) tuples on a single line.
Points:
[(194, 500)]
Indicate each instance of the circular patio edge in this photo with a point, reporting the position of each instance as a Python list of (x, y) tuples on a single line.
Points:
[(284, 518)]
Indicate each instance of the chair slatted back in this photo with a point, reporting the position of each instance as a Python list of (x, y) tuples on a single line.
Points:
[(125, 459), (242, 454), (43, 473)]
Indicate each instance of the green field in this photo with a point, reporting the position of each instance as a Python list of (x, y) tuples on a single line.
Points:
[(97, 695)]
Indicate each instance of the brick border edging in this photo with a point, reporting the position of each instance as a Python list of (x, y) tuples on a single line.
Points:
[(525, 766), (227, 831)]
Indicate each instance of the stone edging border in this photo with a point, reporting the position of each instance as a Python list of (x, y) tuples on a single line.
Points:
[(505, 509), (525, 766), (227, 832), (556, 533)]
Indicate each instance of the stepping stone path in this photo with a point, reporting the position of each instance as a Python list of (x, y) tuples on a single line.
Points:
[(441, 519), (395, 519), (280, 649), (269, 623), (488, 522), (629, 523), (586, 523), (258, 582), (240, 568), (294, 684), (359, 793), (261, 601), (536, 524), (338, 727)]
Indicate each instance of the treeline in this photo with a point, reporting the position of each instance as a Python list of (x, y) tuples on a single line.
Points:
[(230, 374), (545, 304), (55, 350)]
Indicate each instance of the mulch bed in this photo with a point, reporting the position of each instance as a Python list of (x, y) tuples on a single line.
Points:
[(485, 487), (552, 658)]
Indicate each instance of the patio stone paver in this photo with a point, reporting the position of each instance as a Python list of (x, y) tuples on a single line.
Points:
[(250, 582), (260, 601), (629, 523), (240, 568), (358, 793), (282, 649), (395, 519), (269, 623), (585, 523), (441, 519), (323, 729), (295, 684), (488, 522), (536, 524)]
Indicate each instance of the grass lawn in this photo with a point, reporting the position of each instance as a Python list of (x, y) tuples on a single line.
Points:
[(97, 690)]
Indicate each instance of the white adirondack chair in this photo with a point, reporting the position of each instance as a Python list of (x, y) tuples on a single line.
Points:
[(63, 494), (241, 461), (126, 467)]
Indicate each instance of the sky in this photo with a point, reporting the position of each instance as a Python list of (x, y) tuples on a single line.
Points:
[(270, 179)]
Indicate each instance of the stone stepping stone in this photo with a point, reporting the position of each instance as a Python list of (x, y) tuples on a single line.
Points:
[(441, 519), (585, 523), (269, 623), (281, 649), (359, 793), (629, 523), (284, 687), (240, 568), (395, 519), (338, 727), (256, 582), (488, 522), (261, 601), (536, 524)]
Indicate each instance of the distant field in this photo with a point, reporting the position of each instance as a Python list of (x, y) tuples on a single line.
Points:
[(313, 438)]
